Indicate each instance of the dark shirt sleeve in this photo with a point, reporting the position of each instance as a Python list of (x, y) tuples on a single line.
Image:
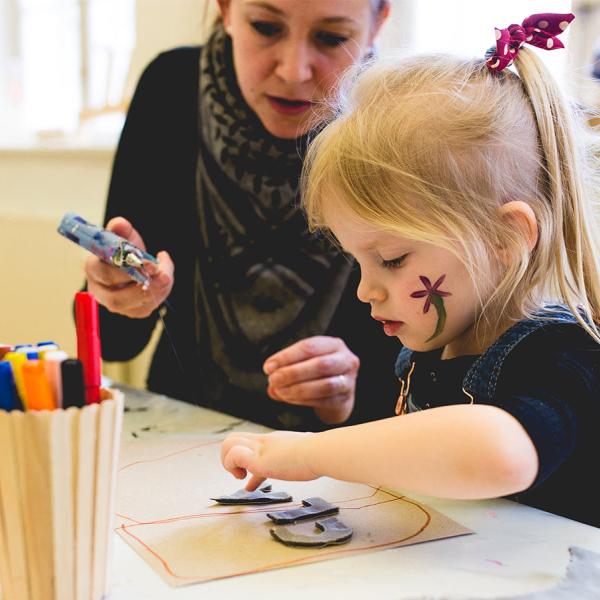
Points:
[(549, 384), (153, 162)]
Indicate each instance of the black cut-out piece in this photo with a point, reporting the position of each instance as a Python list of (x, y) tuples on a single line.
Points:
[(329, 532), (313, 508), (264, 495)]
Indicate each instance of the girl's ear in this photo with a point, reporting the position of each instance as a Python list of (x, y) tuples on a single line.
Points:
[(520, 216), (224, 10)]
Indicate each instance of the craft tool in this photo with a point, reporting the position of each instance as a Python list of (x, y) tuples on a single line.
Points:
[(44, 348), (17, 361), (52, 365), (8, 391), (108, 246), (88, 344), (38, 394), (24, 348), (73, 389)]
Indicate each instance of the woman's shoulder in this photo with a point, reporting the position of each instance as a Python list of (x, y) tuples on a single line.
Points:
[(169, 83), (175, 61)]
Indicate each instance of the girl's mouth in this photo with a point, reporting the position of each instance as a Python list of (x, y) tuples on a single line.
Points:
[(285, 106), (392, 327)]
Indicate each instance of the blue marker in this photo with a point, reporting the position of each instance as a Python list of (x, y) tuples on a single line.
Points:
[(9, 400)]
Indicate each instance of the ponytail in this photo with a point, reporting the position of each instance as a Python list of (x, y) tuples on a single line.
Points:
[(573, 232)]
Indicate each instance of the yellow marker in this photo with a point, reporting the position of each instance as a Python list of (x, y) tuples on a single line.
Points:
[(17, 360), (38, 393)]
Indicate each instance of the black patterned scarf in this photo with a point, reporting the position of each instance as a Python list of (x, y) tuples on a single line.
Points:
[(263, 280)]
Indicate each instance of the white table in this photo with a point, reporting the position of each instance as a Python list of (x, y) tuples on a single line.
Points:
[(515, 550)]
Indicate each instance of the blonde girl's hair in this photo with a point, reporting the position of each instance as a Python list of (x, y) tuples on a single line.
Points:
[(430, 147)]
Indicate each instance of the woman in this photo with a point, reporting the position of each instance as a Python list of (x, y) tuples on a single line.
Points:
[(206, 177)]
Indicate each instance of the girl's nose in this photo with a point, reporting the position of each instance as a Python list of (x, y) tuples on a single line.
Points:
[(294, 63), (369, 292)]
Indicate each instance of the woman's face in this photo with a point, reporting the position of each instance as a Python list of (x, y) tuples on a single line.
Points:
[(289, 54)]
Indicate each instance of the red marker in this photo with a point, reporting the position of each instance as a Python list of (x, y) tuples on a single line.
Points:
[(88, 344)]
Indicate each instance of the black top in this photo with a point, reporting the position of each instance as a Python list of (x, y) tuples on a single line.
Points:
[(153, 186), (550, 383)]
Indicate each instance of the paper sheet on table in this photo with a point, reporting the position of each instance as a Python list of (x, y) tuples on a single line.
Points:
[(165, 513)]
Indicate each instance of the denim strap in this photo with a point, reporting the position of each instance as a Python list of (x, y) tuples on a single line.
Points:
[(482, 378)]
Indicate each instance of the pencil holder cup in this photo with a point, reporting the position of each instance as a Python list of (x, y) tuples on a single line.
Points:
[(57, 489)]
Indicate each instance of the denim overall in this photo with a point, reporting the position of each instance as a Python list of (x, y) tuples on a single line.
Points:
[(479, 384)]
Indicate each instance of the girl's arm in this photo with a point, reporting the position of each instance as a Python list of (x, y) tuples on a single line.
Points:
[(466, 451)]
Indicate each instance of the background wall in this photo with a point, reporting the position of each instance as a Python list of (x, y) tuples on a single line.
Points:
[(40, 270)]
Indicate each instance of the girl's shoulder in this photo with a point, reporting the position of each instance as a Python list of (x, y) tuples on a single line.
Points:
[(552, 342), (537, 350)]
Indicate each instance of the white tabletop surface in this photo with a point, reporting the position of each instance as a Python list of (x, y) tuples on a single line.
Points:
[(515, 549)]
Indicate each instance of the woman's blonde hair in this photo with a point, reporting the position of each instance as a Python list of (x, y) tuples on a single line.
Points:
[(430, 147)]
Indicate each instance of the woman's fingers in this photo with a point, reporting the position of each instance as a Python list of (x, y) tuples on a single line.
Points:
[(115, 290), (122, 227), (313, 372), (318, 392), (324, 368), (303, 350)]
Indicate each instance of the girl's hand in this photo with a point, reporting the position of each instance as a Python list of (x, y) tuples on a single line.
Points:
[(277, 455), (120, 294), (318, 371)]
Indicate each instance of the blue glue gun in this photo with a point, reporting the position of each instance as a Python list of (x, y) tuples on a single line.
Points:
[(108, 246)]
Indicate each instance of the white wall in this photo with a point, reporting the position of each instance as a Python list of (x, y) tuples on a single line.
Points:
[(39, 269)]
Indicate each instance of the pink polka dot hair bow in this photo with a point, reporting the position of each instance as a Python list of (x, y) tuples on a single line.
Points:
[(540, 30)]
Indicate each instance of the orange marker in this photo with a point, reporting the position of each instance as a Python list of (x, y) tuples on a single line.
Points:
[(38, 392)]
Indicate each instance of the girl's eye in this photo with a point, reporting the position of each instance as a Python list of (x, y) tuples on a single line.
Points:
[(393, 263), (330, 39), (265, 28)]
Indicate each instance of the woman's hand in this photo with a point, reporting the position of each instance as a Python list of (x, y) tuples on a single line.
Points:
[(318, 371), (276, 455), (117, 291)]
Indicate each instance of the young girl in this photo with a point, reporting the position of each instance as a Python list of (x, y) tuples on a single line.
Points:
[(463, 191)]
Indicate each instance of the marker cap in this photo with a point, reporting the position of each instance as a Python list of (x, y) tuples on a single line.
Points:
[(38, 393), (88, 343), (8, 391), (73, 390), (52, 362)]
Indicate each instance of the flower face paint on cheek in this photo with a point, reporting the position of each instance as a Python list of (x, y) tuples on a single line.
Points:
[(434, 296)]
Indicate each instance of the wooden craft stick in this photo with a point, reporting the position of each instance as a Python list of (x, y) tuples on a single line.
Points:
[(11, 493), (106, 426), (8, 518), (5, 578), (118, 400), (84, 450), (33, 449), (61, 423)]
